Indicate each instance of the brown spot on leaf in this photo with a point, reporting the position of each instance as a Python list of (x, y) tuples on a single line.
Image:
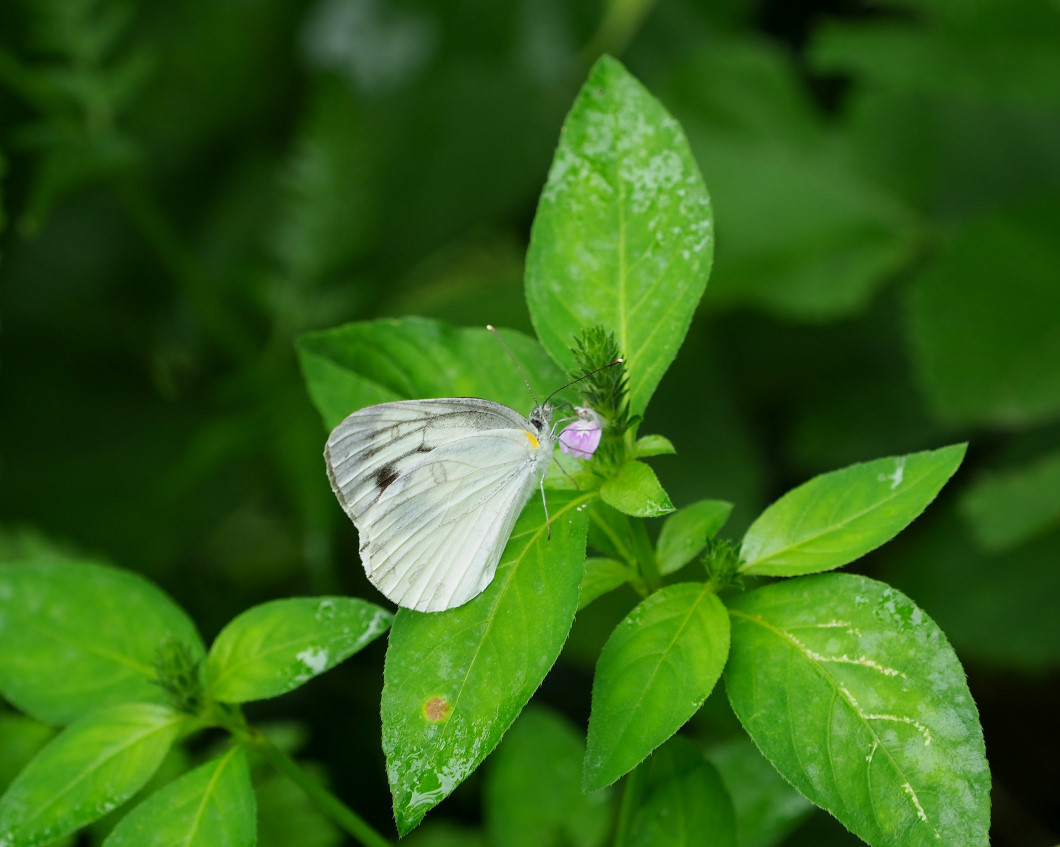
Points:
[(436, 709)]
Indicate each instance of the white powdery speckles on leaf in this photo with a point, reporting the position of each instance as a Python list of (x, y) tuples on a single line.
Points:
[(314, 658)]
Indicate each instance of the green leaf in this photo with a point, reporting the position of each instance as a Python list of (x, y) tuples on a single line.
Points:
[(999, 609), (533, 795), (684, 534), (654, 673), (610, 532), (764, 149), (287, 817), (276, 647), (992, 60), (985, 320), (1007, 508), (856, 697), (602, 576), (623, 235), (837, 517), (764, 95), (21, 738), (635, 490), (767, 807), (454, 681), (361, 364), (212, 806), (653, 445), (91, 767), (80, 637), (685, 803)]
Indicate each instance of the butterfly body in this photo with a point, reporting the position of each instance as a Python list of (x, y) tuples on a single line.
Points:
[(434, 488)]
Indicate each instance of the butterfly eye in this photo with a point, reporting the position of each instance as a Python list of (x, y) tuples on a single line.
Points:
[(541, 418)]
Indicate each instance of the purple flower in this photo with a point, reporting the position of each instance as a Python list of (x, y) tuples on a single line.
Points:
[(581, 438)]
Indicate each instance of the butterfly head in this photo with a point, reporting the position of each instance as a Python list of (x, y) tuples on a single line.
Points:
[(541, 418)]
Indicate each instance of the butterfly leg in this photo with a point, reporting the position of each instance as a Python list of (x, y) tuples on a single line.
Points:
[(544, 501)]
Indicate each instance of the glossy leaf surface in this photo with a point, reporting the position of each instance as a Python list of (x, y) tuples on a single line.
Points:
[(79, 637), (684, 534), (635, 490), (211, 806), (623, 235), (456, 680), (654, 673), (90, 768), (840, 516), (856, 697), (276, 647)]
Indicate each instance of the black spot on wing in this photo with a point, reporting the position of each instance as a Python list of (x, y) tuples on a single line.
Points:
[(384, 476)]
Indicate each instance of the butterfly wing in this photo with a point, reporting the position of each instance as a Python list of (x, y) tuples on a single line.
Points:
[(434, 488)]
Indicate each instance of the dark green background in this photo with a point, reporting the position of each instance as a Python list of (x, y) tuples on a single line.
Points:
[(189, 186)]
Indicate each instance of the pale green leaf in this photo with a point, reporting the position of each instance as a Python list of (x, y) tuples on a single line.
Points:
[(684, 534), (623, 235), (840, 516), (90, 768), (211, 806), (635, 490), (79, 637), (856, 697), (653, 445), (654, 673), (274, 648), (455, 681)]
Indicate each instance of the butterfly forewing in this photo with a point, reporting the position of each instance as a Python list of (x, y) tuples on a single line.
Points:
[(434, 488)]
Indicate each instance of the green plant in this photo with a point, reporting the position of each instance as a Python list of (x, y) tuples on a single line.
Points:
[(841, 681)]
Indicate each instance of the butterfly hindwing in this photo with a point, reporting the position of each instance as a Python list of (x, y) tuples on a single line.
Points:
[(433, 540), (434, 488)]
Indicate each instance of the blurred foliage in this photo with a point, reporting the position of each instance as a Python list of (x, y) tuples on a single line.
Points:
[(186, 187)]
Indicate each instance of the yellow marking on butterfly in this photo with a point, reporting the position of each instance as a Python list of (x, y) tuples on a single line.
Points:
[(533, 438)]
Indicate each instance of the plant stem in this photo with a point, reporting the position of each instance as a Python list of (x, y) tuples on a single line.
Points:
[(327, 802), (649, 566), (631, 791)]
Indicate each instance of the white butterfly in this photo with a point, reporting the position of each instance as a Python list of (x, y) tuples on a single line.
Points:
[(434, 488)]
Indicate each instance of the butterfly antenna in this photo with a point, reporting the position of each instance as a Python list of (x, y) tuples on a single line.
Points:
[(511, 355), (617, 361)]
